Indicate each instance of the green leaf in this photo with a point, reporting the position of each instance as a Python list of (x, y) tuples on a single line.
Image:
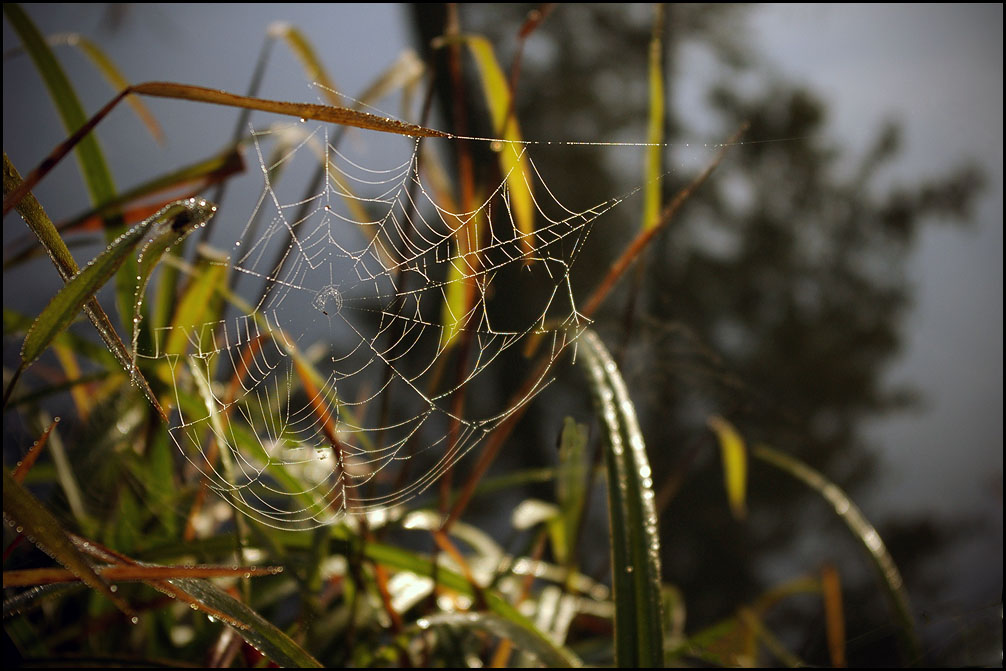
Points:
[(571, 487), (534, 643), (93, 166), (166, 227), (735, 464), (887, 571), (45, 531), (255, 629), (655, 128), (635, 544), (38, 221), (71, 111)]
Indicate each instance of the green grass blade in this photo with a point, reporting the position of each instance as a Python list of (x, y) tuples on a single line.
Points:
[(635, 541), (887, 570), (655, 128), (571, 487), (168, 226), (541, 647), (38, 221), (71, 111), (93, 166), (255, 629), (735, 464), (45, 531)]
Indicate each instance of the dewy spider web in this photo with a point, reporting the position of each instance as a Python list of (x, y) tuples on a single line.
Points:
[(333, 388)]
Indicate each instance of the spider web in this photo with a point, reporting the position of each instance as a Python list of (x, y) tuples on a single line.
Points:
[(339, 375)]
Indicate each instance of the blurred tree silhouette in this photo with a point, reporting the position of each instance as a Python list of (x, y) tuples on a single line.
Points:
[(776, 298)]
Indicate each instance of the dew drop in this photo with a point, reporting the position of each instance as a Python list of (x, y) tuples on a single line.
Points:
[(113, 588), (134, 620)]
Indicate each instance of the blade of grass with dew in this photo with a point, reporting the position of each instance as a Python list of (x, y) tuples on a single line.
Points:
[(42, 529), (140, 573), (735, 464), (256, 630), (865, 533), (635, 544), (165, 228), (38, 221), (538, 645), (175, 91)]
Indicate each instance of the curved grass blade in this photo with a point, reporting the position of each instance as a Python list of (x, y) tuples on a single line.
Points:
[(259, 632), (38, 221), (541, 647), (635, 544), (164, 228), (735, 464), (42, 529), (887, 570), (93, 166)]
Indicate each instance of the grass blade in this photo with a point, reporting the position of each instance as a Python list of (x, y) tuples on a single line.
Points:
[(93, 166), (571, 488), (308, 57), (655, 129), (168, 226), (735, 464), (259, 632), (635, 544), (71, 111), (539, 646), (38, 221), (513, 162), (110, 71), (42, 528), (887, 571)]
